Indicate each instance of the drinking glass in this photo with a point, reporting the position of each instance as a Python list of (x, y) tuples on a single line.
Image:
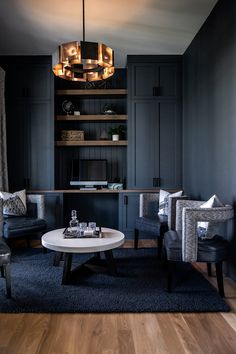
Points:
[(92, 226), (82, 228)]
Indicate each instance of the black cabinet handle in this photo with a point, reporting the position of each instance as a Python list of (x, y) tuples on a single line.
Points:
[(156, 182), (156, 91), (125, 200)]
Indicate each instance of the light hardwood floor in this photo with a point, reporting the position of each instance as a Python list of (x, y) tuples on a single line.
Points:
[(125, 333)]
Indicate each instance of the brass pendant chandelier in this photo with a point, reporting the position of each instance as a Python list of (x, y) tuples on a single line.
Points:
[(84, 61)]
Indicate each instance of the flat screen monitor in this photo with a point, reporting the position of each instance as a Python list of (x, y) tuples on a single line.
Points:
[(87, 172)]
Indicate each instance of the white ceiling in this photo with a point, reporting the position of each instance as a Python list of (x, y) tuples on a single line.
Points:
[(36, 27)]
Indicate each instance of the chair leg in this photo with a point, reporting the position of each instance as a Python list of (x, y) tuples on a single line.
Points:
[(160, 245), (136, 237), (219, 276), (2, 272), (169, 276), (209, 269), (7, 271), (163, 229)]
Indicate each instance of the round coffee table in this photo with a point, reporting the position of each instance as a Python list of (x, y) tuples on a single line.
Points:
[(111, 239)]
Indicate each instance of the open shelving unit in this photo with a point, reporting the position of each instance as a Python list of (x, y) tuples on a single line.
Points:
[(90, 101)]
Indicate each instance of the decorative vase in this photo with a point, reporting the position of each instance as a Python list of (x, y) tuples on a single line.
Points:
[(115, 137)]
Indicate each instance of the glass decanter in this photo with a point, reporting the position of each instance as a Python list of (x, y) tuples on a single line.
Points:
[(74, 222)]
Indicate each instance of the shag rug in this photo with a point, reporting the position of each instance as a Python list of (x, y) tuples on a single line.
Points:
[(139, 287)]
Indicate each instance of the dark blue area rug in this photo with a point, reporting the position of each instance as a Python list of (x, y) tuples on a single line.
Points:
[(140, 286)]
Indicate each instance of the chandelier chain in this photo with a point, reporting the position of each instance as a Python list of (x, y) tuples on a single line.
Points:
[(83, 21)]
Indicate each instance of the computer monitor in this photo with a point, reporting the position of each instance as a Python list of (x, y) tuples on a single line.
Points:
[(89, 172)]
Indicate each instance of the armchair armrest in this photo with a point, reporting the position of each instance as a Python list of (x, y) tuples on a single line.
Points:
[(180, 205), (190, 218), (37, 199), (1, 217), (172, 201), (148, 205)]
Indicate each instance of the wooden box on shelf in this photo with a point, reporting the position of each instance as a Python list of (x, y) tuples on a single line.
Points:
[(72, 135)]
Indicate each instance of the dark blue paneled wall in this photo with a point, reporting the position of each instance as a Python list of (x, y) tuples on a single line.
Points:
[(209, 112)]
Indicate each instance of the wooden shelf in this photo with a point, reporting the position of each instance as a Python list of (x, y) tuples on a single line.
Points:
[(93, 92), (93, 117), (92, 143)]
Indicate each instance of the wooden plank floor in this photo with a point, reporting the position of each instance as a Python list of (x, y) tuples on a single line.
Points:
[(125, 333)]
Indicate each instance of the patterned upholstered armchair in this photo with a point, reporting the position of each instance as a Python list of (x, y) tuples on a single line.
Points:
[(27, 225), (150, 222), (184, 244)]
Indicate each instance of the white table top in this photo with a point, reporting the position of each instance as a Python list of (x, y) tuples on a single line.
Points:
[(55, 241)]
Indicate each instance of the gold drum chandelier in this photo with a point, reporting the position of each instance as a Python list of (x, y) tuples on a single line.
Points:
[(84, 61)]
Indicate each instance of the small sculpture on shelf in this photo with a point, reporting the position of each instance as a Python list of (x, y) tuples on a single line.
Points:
[(109, 109), (67, 107), (104, 135)]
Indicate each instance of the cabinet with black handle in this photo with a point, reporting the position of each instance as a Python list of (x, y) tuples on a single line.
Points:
[(128, 212), (29, 111), (154, 127)]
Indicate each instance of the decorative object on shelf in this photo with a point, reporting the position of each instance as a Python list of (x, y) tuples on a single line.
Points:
[(77, 113), (115, 186), (72, 135), (84, 61), (108, 109), (104, 135), (116, 132), (67, 107)]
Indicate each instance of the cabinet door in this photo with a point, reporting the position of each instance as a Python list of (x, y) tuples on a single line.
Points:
[(128, 212), (154, 80), (29, 81), (40, 146), (17, 150), (53, 210), (38, 82), (143, 147), (30, 126), (142, 80), (170, 144), (169, 81)]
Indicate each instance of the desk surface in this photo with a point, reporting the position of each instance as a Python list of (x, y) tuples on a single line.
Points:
[(100, 191)]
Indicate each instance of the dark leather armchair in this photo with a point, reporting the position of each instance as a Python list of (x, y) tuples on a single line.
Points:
[(185, 245), (5, 256), (27, 225)]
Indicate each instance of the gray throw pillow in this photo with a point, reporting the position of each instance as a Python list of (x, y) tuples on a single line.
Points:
[(207, 230), (164, 200), (13, 207)]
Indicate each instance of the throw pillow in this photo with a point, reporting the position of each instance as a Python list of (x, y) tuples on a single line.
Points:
[(21, 194), (164, 200), (13, 206), (205, 229)]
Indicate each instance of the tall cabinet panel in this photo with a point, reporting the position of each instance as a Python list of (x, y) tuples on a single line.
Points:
[(154, 127), (39, 145), (29, 115), (143, 160)]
